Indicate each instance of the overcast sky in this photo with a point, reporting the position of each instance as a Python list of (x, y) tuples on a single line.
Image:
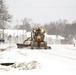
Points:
[(42, 11)]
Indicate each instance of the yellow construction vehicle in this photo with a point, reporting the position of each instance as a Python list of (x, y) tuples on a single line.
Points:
[(36, 39)]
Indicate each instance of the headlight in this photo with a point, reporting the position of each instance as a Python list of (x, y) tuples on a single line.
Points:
[(42, 30)]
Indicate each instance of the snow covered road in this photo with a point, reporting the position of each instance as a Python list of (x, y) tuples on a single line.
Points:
[(60, 60)]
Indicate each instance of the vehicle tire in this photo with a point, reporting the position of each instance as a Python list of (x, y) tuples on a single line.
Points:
[(19, 47), (32, 46), (45, 45)]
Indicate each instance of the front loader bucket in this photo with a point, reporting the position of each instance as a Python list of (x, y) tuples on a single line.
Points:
[(22, 45)]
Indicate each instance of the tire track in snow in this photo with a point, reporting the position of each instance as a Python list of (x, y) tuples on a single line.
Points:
[(54, 54)]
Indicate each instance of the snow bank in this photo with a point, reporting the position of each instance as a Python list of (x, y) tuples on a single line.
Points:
[(26, 66), (21, 66)]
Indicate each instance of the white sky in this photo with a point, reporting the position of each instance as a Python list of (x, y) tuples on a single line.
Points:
[(42, 11)]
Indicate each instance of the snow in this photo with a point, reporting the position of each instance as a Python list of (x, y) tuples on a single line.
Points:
[(60, 60)]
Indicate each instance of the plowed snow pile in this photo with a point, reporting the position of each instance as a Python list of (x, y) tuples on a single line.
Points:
[(21, 66), (26, 66)]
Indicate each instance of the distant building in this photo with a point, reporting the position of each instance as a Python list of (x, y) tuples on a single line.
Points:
[(28, 34), (54, 39), (16, 35)]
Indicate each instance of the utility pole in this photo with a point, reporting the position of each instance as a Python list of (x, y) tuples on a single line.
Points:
[(17, 31), (23, 31), (17, 28), (3, 28)]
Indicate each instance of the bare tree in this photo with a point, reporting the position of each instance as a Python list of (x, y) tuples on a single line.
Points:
[(5, 17), (26, 24)]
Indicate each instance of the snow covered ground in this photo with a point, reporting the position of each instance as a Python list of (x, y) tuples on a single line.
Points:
[(60, 60)]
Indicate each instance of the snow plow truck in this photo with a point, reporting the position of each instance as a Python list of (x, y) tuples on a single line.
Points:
[(36, 39)]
